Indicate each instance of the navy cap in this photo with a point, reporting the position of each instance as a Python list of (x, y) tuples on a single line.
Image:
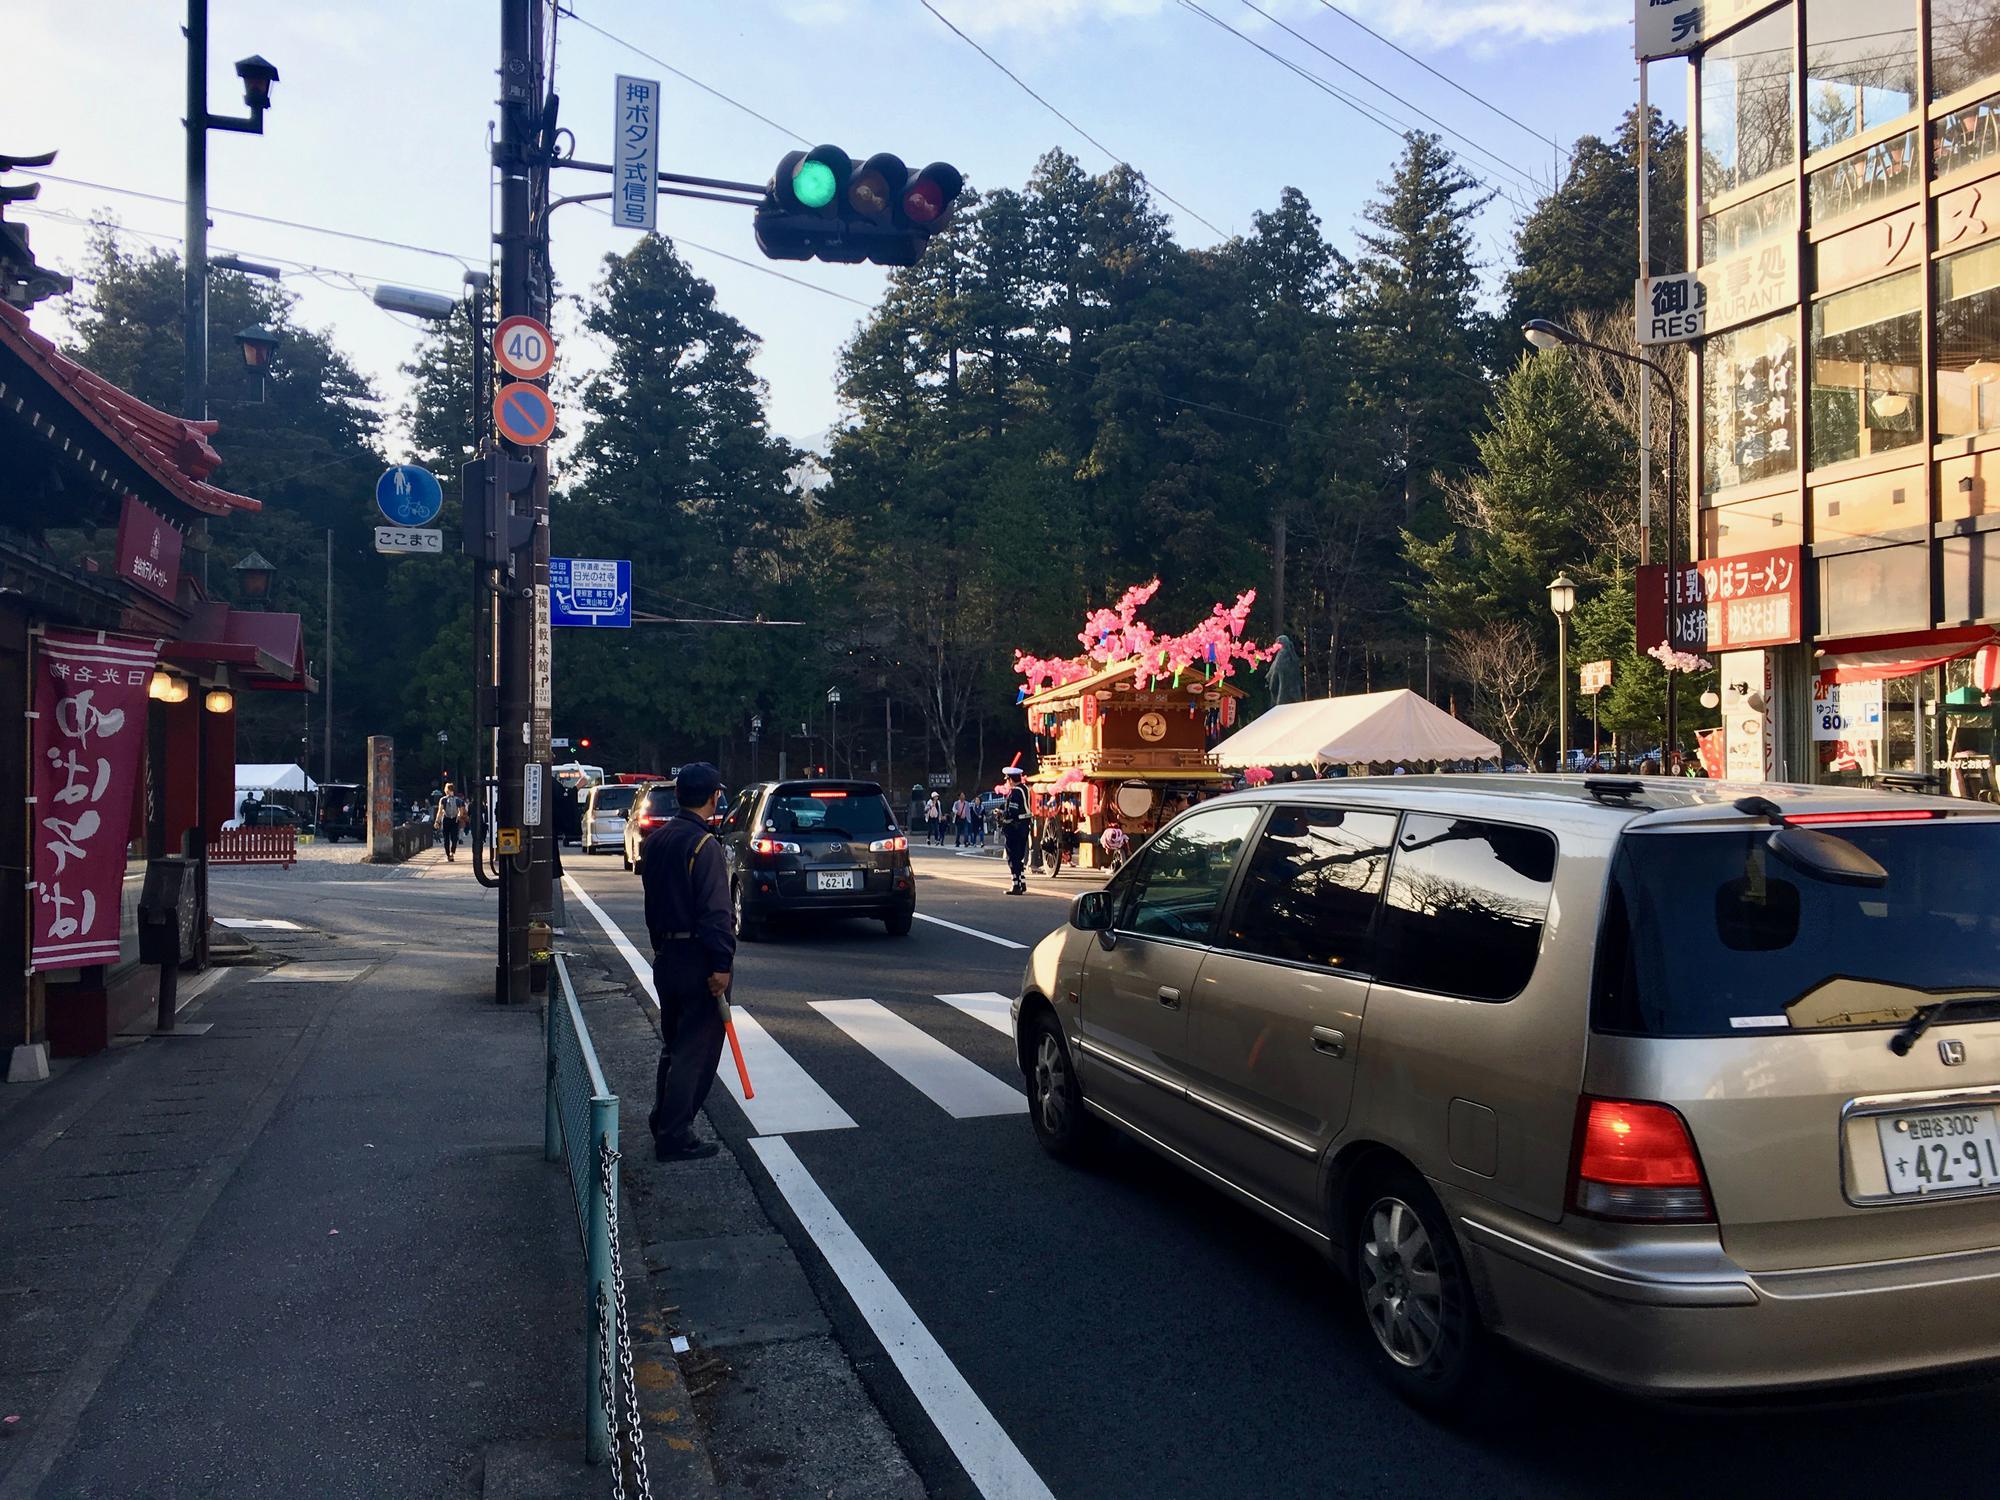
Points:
[(696, 783)]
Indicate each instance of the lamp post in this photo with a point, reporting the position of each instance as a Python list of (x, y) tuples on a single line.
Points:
[(1562, 599), (1545, 335)]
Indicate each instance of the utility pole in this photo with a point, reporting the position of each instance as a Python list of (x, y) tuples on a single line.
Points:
[(326, 679)]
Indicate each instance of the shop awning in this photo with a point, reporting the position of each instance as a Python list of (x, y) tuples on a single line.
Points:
[(263, 650), (1393, 727), (1874, 658)]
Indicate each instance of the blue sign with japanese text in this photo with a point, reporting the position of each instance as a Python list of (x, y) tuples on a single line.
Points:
[(590, 591), (409, 496)]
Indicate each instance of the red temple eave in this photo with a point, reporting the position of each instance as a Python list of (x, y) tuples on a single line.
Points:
[(266, 650), (173, 451)]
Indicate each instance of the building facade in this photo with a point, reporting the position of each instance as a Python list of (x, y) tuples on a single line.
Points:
[(1844, 224)]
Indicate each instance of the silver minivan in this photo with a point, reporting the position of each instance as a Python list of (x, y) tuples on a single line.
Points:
[(1689, 1086)]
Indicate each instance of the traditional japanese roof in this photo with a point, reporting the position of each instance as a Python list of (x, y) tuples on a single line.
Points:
[(268, 649), (1106, 676), (172, 451)]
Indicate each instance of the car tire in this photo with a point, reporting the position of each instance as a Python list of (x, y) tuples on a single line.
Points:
[(625, 860), (1055, 1100), (749, 926), (1414, 1291), (900, 921)]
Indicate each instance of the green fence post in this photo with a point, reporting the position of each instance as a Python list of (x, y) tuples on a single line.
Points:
[(603, 1133), (552, 1007)]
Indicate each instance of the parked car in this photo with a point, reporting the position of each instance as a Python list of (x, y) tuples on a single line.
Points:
[(1662, 1082), (604, 816), (652, 807), (343, 811), (267, 815), (821, 846)]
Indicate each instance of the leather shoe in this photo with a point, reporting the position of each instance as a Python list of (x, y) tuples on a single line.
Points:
[(692, 1149)]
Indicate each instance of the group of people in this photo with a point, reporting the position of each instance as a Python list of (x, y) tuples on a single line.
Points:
[(964, 818)]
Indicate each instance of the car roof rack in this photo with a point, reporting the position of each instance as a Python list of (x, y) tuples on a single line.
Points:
[(1613, 791)]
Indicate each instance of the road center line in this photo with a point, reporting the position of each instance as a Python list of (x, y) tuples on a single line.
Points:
[(995, 1465), (969, 931), (786, 1099)]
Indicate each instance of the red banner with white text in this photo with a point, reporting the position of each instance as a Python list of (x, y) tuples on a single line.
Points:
[(88, 736)]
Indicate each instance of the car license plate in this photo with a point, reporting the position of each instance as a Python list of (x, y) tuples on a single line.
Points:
[(1941, 1150), (836, 880)]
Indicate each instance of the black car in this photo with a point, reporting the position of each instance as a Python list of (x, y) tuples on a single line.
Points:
[(817, 846)]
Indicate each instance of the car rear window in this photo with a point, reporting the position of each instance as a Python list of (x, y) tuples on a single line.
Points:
[(845, 812), (614, 798), (1709, 934)]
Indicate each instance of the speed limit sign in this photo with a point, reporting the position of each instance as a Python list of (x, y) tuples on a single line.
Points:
[(523, 348)]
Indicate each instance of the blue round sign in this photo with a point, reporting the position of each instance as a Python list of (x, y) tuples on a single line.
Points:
[(409, 496)]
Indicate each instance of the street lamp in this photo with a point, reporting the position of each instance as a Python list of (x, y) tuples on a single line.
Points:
[(1545, 335), (253, 576), (1562, 600)]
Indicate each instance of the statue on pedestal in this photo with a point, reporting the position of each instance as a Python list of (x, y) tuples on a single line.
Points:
[(1285, 675)]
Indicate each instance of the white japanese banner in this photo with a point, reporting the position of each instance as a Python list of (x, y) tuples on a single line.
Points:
[(86, 743), (635, 136)]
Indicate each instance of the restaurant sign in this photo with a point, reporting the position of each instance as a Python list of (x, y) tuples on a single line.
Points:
[(86, 740), (1749, 286), (1674, 28), (149, 551), (1722, 603)]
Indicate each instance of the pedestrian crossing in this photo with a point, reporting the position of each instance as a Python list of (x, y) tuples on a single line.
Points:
[(961, 1088)]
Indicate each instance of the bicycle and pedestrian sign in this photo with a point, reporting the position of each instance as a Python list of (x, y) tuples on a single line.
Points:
[(590, 591), (409, 496)]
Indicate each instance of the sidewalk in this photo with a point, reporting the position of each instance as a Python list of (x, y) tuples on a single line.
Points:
[(314, 1252)]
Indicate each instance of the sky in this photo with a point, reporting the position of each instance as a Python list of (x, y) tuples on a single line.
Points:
[(379, 120)]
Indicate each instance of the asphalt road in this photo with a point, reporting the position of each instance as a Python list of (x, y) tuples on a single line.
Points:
[(1129, 1331)]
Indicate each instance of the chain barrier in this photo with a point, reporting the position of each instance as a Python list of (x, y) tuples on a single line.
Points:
[(608, 1379)]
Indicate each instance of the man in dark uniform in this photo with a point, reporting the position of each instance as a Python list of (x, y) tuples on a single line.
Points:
[(693, 929), (1015, 827)]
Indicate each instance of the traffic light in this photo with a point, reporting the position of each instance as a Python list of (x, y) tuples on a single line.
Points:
[(584, 743), (823, 205)]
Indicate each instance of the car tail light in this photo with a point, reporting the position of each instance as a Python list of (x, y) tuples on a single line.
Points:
[(1637, 1162), (772, 846), (1878, 815), (650, 820), (890, 846)]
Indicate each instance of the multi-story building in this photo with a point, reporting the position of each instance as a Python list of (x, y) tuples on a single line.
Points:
[(1844, 221)]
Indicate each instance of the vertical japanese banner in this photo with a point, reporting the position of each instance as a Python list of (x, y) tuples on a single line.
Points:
[(86, 741), (636, 153)]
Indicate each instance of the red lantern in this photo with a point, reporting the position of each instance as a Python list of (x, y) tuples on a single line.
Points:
[(1090, 708)]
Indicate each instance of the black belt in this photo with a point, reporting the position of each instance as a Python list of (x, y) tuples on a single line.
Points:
[(675, 937)]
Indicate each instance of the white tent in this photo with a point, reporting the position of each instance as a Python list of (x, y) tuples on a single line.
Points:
[(1363, 728), (263, 779)]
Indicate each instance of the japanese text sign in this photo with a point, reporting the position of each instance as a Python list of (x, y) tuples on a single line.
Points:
[(86, 741), (1723, 603), (636, 154), (1593, 677), (1674, 28), (149, 551), (1669, 309), (590, 591)]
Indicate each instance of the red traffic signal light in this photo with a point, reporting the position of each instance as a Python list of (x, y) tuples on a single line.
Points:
[(584, 743), (823, 205)]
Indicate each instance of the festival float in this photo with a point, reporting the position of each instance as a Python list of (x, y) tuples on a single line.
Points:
[(1129, 721)]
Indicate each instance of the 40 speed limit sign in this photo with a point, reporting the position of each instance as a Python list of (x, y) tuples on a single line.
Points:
[(523, 348)]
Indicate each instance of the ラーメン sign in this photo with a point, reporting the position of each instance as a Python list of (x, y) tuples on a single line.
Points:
[(1722, 604)]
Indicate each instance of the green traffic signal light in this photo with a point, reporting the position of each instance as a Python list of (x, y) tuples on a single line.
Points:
[(813, 183)]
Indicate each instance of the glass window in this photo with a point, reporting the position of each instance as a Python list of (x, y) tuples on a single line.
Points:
[(1968, 341), (1879, 589), (1886, 170), (1746, 225), (1969, 570), (1749, 401), (1965, 44), (1873, 505), (1179, 879), (1465, 907), (856, 812), (1861, 67), (1708, 934), (1747, 127), (1751, 526), (1310, 892), (612, 799), (1965, 138), (1867, 395)]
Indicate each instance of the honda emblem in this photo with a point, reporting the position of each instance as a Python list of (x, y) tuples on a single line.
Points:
[(1951, 1052)]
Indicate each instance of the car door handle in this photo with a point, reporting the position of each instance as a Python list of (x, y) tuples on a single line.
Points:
[(1332, 1043), (1170, 997)]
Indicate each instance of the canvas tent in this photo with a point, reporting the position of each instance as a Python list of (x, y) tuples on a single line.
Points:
[(263, 779), (1396, 727)]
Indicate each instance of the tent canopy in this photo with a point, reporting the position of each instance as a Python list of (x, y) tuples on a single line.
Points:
[(1359, 729), (280, 777)]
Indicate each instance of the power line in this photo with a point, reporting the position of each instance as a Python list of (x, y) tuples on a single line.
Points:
[(1018, 83), (634, 47), (1446, 78), (751, 265), (1419, 110), (237, 213)]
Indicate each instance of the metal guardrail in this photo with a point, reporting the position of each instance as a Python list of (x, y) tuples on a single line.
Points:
[(581, 1129)]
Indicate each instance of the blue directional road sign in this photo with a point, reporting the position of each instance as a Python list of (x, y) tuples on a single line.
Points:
[(590, 591), (409, 496)]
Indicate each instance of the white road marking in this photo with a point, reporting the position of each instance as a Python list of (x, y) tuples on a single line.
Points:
[(312, 974), (276, 922), (995, 1466), (786, 1098), (990, 1006), (957, 1085), (970, 931)]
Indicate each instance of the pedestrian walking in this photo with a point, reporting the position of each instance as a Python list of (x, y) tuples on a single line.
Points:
[(1015, 828), (450, 820), (933, 818), (693, 929)]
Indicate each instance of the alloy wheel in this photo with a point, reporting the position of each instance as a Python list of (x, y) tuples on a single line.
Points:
[(1401, 1289), (1052, 1085)]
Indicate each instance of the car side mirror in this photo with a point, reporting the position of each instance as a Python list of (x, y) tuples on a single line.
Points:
[(1090, 912)]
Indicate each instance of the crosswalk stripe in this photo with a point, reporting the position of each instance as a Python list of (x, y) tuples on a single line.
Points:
[(990, 1006), (969, 931), (961, 1088), (787, 1099)]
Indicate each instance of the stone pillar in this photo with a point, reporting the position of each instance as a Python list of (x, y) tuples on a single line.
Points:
[(381, 798)]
